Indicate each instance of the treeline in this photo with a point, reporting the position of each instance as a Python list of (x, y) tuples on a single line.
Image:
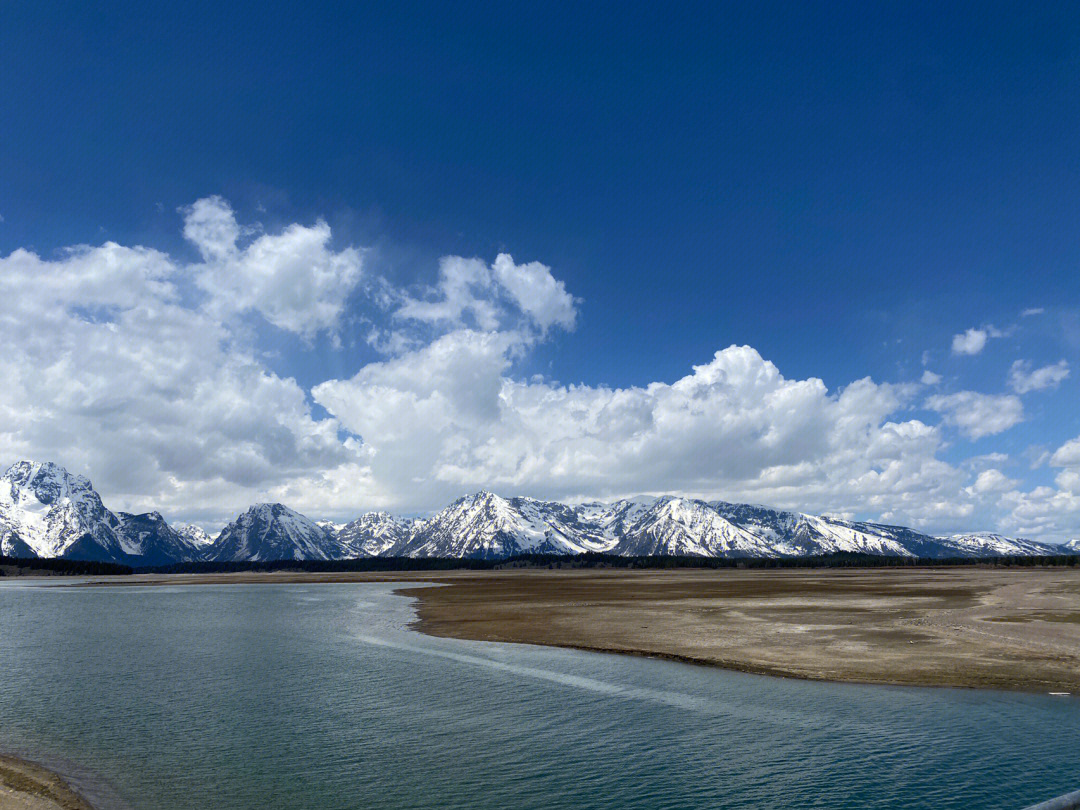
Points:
[(589, 560), (28, 566), (19, 566)]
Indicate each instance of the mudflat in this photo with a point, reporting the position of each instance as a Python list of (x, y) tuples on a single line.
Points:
[(29, 786), (1004, 628)]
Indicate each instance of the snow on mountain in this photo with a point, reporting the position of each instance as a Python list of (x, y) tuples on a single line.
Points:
[(796, 534), (485, 526), (195, 535), (371, 534), (689, 528), (611, 520), (52, 513), (995, 545), (11, 545), (271, 531), (148, 540), (47, 512)]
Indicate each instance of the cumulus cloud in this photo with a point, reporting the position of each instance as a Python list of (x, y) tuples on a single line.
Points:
[(991, 481), (971, 341), (448, 418), (293, 278), (536, 292), (1050, 512), (1068, 455), (106, 370), (977, 415), (1023, 379), (140, 370), (504, 295)]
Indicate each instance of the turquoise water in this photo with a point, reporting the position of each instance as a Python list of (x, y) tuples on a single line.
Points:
[(316, 696)]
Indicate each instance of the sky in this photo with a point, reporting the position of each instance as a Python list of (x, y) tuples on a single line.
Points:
[(823, 256)]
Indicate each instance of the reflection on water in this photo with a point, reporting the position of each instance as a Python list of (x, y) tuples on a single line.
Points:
[(297, 696)]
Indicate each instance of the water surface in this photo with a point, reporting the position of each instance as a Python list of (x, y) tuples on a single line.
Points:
[(317, 696)]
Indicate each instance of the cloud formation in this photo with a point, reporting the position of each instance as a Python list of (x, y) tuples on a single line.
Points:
[(504, 295), (141, 370), (973, 341), (293, 278), (1022, 378), (977, 415)]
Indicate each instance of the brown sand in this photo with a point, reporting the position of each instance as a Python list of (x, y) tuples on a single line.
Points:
[(964, 626), (28, 786)]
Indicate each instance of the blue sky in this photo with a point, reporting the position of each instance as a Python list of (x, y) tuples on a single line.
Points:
[(842, 188)]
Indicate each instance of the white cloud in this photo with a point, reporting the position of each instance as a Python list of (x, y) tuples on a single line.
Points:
[(448, 418), (1068, 455), (470, 294), (293, 278), (536, 292), (140, 370), (211, 226), (462, 296), (992, 481), (969, 342), (1027, 313), (108, 371), (1023, 379), (977, 415)]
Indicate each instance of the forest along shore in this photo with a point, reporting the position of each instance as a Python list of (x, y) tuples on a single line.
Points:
[(1012, 628), (28, 786)]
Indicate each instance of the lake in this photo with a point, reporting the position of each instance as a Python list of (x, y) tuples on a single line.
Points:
[(318, 696)]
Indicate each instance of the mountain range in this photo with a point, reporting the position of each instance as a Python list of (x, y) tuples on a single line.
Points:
[(47, 512)]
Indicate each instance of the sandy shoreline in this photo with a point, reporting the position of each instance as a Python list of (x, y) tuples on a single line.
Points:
[(26, 785), (1016, 629)]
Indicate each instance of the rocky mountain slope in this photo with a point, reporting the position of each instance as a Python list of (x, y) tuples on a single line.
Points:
[(271, 531), (372, 535), (148, 540)]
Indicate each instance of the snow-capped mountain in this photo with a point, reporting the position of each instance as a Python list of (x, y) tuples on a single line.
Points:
[(995, 545), (47, 512), (148, 540), (485, 526), (681, 527), (195, 535), (271, 531), (797, 534), (371, 534)]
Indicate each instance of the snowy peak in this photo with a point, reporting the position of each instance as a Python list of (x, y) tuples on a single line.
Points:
[(48, 482), (195, 535), (372, 534), (988, 544), (55, 514), (47, 512), (486, 526), (272, 531), (149, 540), (689, 528)]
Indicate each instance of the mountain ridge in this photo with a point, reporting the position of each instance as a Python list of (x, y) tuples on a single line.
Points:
[(47, 512)]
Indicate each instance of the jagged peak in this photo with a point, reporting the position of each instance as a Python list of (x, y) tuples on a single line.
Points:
[(37, 473), (272, 509), (479, 498)]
